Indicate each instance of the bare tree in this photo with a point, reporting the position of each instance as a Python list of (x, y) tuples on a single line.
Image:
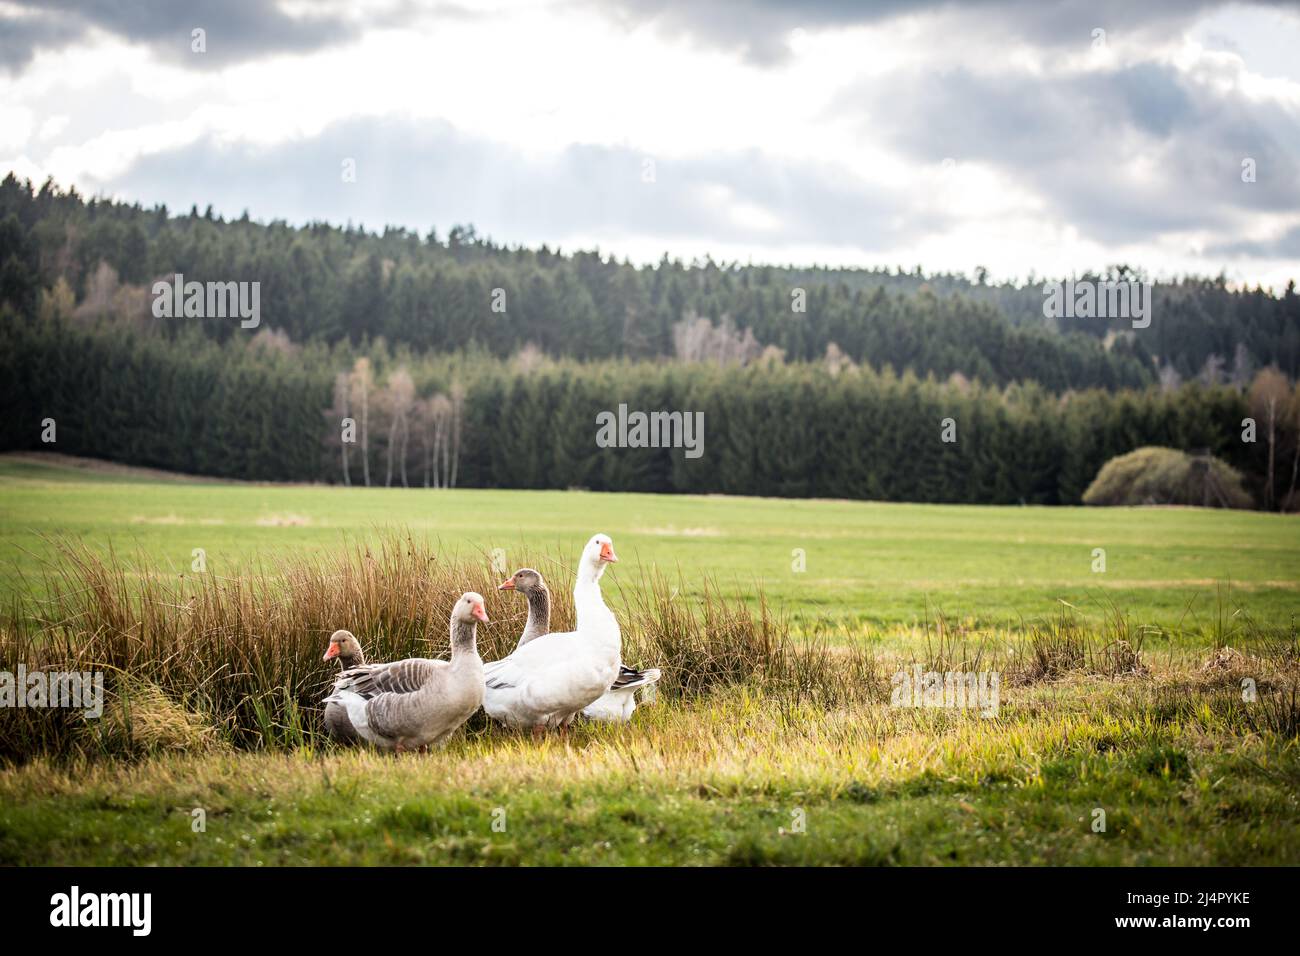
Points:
[(431, 419), (422, 422), (696, 339), (362, 380), (336, 414), (1212, 370), (457, 420), (1293, 423), (529, 358), (1169, 378), (835, 360), (1269, 395), (441, 425), (101, 287), (274, 340), (399, 397)]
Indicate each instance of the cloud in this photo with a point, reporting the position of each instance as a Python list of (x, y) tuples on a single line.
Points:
[(421, 174), (1062, 153), (1286, 246), (22, 36), (759, 30), (1123, 155), (236, 29)]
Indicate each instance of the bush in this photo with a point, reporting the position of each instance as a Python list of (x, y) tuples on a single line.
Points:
[(1166, 476)]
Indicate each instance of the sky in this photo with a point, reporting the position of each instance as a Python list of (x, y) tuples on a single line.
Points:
[(1023, 136)]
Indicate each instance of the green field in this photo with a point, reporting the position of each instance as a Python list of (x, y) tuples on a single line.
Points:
[(872, 563), (1165, 747)]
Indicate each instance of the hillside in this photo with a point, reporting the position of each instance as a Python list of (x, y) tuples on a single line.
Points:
[(454, 291)]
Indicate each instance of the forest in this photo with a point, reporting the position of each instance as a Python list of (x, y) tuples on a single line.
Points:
[(395, 359)]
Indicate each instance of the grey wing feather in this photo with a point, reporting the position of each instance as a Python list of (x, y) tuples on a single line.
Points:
[(494, 675), (629, 677), (399, 677)]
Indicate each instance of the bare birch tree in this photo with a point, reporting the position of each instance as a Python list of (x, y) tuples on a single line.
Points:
[(399, 398), (1269, 395), (457, 419), (362, 380), (342, 388)]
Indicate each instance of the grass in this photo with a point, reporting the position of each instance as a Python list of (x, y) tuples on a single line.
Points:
[(867, 564), (722, 781), (775, 738)]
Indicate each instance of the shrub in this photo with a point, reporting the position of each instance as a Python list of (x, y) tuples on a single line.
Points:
[(1166, 476)]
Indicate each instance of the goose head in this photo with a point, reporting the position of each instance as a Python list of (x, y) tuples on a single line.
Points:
[(525, 581), (596, 556), (599, 551), (343, 645), (469, 609)]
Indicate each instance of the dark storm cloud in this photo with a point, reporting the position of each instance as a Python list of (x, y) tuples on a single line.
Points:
[(236, 29), (1123, 155), (759, 29), (422, 174)]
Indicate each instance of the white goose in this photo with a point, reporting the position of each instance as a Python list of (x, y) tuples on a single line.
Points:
[(549, 679), (446, 696), (619, 702)]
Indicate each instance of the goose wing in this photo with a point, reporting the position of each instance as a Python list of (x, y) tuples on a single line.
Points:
[(397, 677), (538, 655), (630, 678)]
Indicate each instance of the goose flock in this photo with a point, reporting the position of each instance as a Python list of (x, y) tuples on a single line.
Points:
[(546, 681)]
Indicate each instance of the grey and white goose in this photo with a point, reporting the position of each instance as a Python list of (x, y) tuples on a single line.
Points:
[(401, 676), (619, 702), (384, 709), (346, 649)]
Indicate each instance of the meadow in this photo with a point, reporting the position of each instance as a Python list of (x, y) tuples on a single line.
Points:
[(873, 564), (1148, 714)]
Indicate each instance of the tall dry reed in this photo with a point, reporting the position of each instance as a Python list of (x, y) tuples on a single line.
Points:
[(196, 660)]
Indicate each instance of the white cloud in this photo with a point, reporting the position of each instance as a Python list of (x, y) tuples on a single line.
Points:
[(808, 144)]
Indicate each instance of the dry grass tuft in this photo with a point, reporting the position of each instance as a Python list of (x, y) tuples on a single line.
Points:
[(140, 718), (193, 659)]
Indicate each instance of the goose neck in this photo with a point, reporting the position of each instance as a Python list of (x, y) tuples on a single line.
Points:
[(593, 616), (539, 614), (464, 639), (589, 573)]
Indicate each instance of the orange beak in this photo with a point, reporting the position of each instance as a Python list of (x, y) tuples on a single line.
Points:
[(331, 652), (479, 613), (507, 585), (607, 552)]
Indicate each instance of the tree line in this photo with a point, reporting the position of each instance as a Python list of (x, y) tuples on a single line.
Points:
[(329, 284), (264, 408)]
